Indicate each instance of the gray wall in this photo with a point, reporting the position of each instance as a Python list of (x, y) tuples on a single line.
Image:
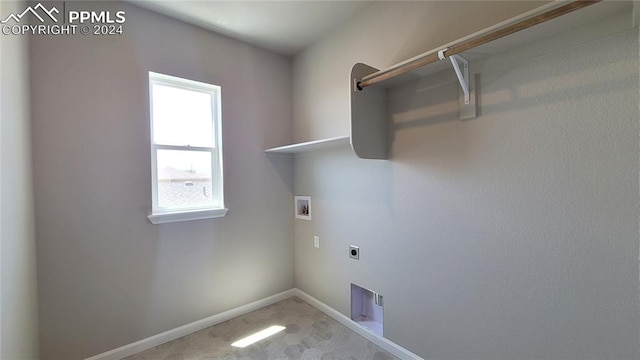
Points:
[(510, 236), (107, 277), (18, 290)]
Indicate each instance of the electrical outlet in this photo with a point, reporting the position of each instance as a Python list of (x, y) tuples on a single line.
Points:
[(354, 252), (316, 241)]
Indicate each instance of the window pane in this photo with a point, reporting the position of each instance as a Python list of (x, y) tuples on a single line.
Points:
[(184, 179), (181, 117)]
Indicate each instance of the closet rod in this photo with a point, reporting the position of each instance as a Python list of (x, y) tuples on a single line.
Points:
[(470, 42)]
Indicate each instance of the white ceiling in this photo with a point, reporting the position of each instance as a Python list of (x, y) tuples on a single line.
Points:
[(285, 27)]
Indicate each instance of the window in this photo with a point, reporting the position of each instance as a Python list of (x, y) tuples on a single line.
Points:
[(186, 150)]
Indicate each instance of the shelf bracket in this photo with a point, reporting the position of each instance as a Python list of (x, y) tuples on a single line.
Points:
[(468, 109), (462, 74)]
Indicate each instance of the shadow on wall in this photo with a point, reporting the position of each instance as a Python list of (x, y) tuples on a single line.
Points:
[(282, 166), (433, 99)]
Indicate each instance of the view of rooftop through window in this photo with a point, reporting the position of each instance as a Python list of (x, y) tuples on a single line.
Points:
[(184, 179)]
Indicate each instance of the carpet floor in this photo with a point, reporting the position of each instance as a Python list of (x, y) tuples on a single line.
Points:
[(309, 334)]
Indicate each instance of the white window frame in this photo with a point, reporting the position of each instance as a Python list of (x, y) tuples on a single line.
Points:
[(161, 215)]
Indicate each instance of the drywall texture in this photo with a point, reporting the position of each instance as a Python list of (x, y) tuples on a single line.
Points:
[(18, 290), (510, 236), (107, 276), (384, 34)]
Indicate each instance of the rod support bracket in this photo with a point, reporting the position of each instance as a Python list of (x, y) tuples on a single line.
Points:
[(462, 74)]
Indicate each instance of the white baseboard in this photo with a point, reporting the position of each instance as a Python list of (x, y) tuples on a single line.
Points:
[(385, 344), (153, 341)]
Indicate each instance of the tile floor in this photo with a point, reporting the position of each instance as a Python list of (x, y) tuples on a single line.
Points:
[(309, 334)]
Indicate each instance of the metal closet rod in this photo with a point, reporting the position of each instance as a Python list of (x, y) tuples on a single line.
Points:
[(495, 32)]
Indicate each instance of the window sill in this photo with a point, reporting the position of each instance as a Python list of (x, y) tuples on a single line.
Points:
[(170, 217)]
